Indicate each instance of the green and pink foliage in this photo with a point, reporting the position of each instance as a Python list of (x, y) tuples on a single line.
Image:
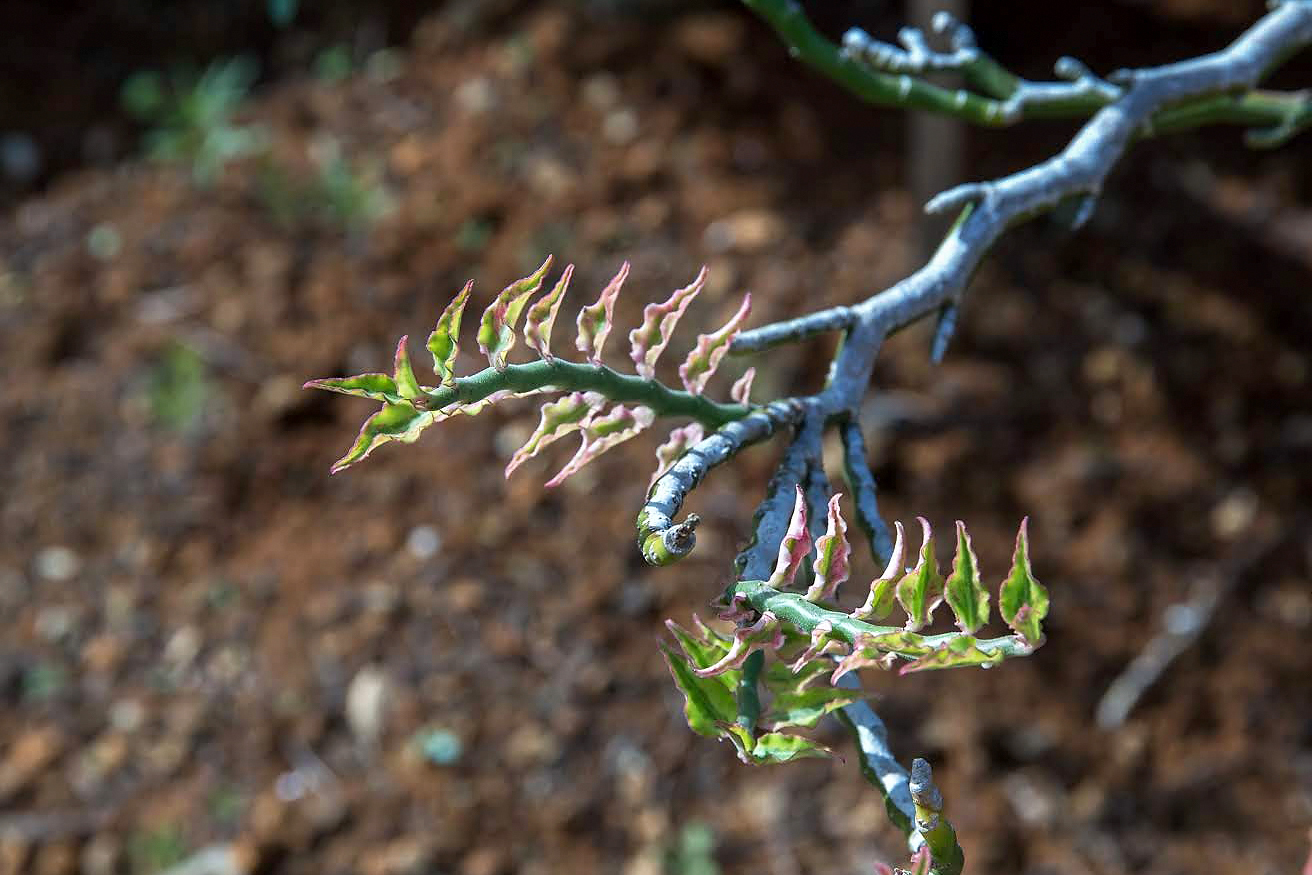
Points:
[(650, 338), (742, 387), (599, 409), (705, 357), (817, 642)]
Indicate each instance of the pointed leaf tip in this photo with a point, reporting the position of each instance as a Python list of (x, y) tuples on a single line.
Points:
[(921, 590), (879, 604), (965, 594), (496, 331), (832, 556), (395, 422), (649, 339), (444, 342), (406, 384), (795, 545), (595, 320), (742, 387), (377, 387), (563, 416), (705, 357), (1022, 600), (542, 316)]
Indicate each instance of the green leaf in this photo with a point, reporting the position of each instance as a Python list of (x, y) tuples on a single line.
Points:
[(542, 317), (563, 416), (832, 554), (879, 603), (595, 320), (710, 349), (395, 422), (804, 708), (406, 384), (960, 651), (444, 342), (921, 589), (378, 387), (496, 331), (779, 747), (965, 593), (650, 338), (708, 703), (1022, 600)]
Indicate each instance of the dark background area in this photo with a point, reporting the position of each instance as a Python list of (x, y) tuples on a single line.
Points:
[(212, 651)]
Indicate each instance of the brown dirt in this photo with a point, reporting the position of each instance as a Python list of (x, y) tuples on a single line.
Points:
[(196, 615)]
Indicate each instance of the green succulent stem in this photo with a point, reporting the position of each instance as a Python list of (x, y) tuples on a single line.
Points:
[(749, 697), (795, 610), (576, 377)]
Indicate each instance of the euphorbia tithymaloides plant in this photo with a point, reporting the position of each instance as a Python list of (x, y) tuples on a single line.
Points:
[(784, 600)]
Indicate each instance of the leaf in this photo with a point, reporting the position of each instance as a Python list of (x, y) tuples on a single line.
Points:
[(965, 594), (378, 387), (761, 635), (921, 590), (921, 861), (959, 651), (879, 604), (742, 387), (804, 708), (779, 747), (793, 548), (861, 659), (678, 443), (832, 557), (710, 349), (444, 342), (601, 432), (542, 316), (708, 704), (1022, 600), (822, 642), (648, 340), (559, 418), (596, 319), (406, 384), (496, 331), (706, 650), (395, 422)]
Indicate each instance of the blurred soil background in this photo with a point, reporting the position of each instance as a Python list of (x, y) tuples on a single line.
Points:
[(214, 654)]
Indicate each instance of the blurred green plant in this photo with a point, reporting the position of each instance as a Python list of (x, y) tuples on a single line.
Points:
[(192, 117), (177, 388), (694, 851), (338, 194), (154, 849)]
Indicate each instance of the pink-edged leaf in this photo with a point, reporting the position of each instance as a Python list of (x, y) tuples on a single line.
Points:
[(964, 592), (794, 546), (377, 387), (559, 418), (921, 590), (821, 644), (542, 316), (404, 375), (705, 648), (1022, 600), (921, 861), (884, 869), (832, 557), (862, 658), (675, 445), (601, 432), (742, 387), (707, 703), (595, 320), (710, 349), (395, 422), (879, 604), (496, 331), (761, 635), (649, 339), (444, 342), (804, 708), (959, 651)]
